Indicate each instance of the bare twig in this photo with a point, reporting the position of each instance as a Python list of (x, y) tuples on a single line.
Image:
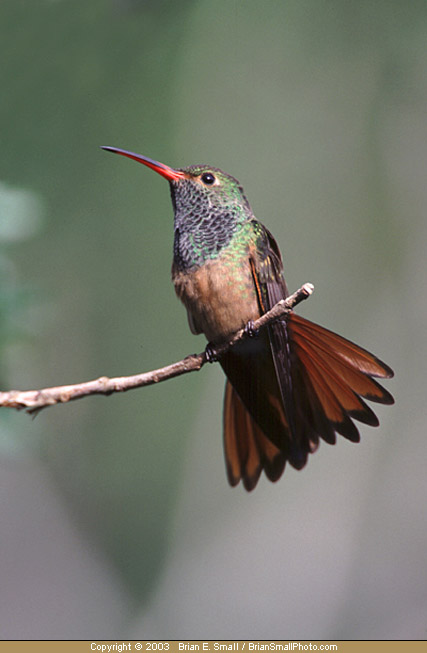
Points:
[(34, 400)]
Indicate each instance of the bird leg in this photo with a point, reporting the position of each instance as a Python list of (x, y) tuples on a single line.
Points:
[(210, 353), (250, 329)]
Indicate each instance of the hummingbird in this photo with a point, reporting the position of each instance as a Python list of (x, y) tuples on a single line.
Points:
[(294, 382)]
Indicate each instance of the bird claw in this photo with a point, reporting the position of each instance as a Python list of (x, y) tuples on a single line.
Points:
[(250, 329), (210, 353)]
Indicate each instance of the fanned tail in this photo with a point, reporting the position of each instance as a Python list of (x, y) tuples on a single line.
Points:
[(345, 367), (247, 450), (329, 379)]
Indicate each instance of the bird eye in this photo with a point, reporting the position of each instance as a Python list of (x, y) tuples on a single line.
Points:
[(208, 178)]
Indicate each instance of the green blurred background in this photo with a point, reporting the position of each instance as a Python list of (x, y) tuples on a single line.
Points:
[(115, 515)]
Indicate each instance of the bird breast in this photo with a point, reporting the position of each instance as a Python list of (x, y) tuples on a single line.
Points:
[(220, 296)]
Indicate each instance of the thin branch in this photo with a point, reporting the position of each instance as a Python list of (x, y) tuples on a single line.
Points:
[(34, 400)]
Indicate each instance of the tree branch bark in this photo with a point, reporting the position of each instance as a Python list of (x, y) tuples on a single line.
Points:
[(33, 401)]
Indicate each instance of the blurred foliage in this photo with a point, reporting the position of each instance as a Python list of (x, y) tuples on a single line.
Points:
[(83, 79), (20, 220)]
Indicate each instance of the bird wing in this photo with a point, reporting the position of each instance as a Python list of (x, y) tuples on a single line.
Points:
[(294, 384)]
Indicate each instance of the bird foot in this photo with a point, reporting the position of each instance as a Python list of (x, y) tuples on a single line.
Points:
[(250, 330), (210, 353)]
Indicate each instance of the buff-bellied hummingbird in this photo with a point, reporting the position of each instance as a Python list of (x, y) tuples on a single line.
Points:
[(295, 382)]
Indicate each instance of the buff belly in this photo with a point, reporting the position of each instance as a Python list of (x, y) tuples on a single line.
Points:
[(220, 297)]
